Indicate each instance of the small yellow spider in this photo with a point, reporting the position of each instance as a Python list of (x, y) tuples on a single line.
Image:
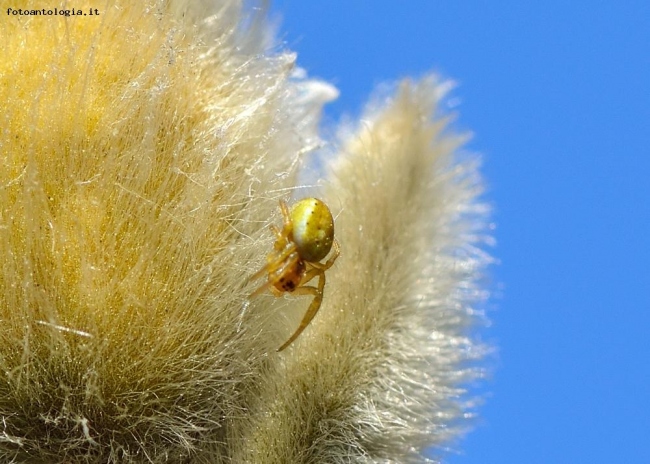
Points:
[(306, 238)]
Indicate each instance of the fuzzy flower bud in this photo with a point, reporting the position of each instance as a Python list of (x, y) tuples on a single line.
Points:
[(144, 150)]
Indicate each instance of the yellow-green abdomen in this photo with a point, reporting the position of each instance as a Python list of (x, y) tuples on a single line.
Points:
[(313, 229)]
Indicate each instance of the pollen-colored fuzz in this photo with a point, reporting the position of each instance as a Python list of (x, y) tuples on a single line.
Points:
[(313, 229), (138, 147)]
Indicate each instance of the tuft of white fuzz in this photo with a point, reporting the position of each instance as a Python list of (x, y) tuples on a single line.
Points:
[(144, 151), (380, 373)]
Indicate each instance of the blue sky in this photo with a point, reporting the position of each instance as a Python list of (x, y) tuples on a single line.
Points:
[(557, 96)]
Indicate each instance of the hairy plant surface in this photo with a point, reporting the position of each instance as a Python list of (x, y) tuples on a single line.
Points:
[(144, 151)]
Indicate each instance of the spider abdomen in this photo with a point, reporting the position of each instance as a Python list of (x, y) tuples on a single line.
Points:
[(313, 229)]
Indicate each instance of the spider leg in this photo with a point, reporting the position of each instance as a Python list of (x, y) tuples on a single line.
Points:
[(262, 288), (279, 245), (276, 232), (285, 213), (287, 226), (274, 260), (313, 307), (337, 252), (258, 274), (311, 273)]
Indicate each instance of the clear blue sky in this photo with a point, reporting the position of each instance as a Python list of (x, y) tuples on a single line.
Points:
[(558, 97)]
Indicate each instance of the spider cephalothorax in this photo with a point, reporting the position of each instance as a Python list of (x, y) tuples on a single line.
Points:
[(306, 238)]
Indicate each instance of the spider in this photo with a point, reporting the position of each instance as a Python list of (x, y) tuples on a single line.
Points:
[(307, 237)]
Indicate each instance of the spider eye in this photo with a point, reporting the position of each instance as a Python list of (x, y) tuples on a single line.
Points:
[(313, 229)]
